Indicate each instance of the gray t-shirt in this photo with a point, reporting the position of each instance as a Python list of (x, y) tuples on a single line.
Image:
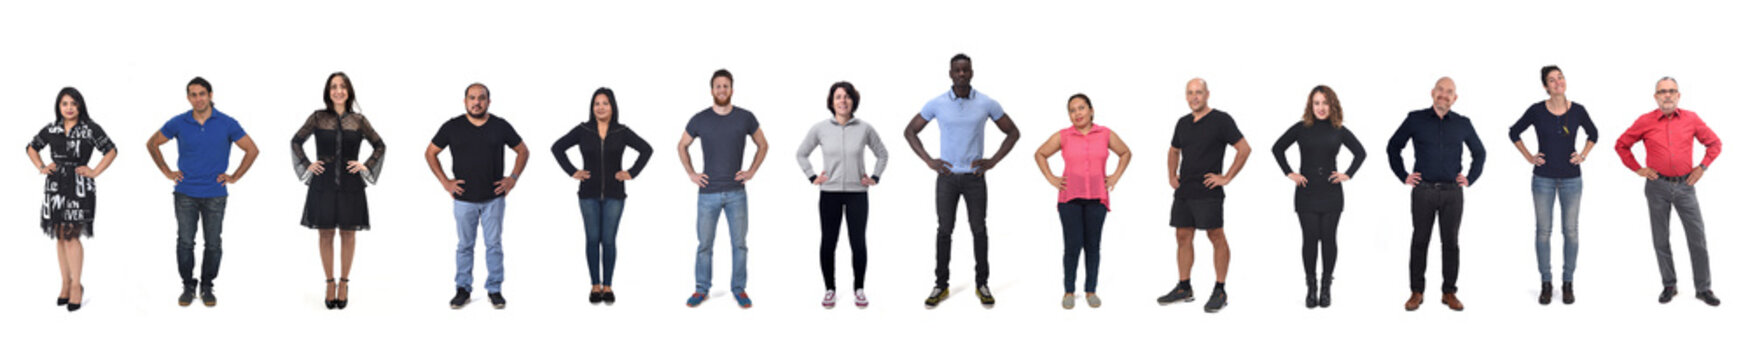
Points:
[(723, 138)]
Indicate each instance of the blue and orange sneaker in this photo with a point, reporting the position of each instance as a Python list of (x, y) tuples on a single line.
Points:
[(697, 298), (745, 302)]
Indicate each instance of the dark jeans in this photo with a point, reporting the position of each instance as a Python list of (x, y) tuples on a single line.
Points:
[(1083, 225), (1674, 193), (1319, 229), (948, 189), (834, 207), (1442, 202), (209, 213), (601, 236)]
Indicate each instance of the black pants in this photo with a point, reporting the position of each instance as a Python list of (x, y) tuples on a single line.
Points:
[(1319, 229), (1083, 226), (948, 189), (1442, 202), (834, 207)]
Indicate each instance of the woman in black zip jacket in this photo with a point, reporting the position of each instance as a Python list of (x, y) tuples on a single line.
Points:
[(601, 195)]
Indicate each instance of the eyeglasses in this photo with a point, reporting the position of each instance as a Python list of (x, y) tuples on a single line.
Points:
[(1668, 91)]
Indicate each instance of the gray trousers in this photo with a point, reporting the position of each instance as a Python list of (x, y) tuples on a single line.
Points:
[(1661, 195)]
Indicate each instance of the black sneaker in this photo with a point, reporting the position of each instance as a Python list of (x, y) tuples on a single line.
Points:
[(187, 296), (207, 298), (935, 297), (1216, 302), (1709, 298), (985, 296), (460, 299), (1668, 293), (1182, 293), (497, 300)]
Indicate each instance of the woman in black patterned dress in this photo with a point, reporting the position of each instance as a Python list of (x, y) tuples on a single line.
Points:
[(70, 194), (337, 178)]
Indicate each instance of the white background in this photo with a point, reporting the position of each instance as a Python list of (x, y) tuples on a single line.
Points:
[(410, 63)]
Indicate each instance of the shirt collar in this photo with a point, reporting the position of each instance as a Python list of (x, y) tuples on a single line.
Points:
[(969, 94), (1670, 116)]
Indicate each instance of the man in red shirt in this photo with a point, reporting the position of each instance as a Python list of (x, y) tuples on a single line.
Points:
[(1669, 133)]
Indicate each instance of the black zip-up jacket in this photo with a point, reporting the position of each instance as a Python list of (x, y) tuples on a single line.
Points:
[(601, 157)]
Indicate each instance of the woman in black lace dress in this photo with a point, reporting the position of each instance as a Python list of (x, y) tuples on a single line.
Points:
[(336, 177), (70, 194)]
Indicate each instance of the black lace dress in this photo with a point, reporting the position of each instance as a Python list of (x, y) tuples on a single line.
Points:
[(70, 201), (336, 196)]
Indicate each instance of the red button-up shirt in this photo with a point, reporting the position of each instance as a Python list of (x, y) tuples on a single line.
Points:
[(1668, 142)]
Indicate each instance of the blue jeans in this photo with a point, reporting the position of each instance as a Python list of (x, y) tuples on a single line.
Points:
[(470, 217), (208, 216), (1568, 191), (601, 231), (710, 205)]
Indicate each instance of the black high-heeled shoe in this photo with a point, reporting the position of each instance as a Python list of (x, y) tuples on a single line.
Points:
[(329, 302), (341, 303), (60, 301), (73, 306)]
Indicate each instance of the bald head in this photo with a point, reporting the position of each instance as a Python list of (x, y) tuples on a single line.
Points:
[(1196, 93), (1444, 94)]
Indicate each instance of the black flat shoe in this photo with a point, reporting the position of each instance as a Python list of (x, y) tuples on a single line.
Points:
[(607, 296), (340, 303), (595, 297)]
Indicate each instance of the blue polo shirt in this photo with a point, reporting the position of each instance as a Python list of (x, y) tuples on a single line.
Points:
[(961, 121), (203, 152)]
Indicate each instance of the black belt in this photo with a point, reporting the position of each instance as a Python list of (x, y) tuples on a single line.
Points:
[(1439, 185), (1674, 179)]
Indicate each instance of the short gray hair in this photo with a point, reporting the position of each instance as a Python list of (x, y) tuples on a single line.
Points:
[(1670, 79)]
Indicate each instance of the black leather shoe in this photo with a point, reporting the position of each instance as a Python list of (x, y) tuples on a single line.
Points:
[(340, 301), (595, 297), (1668, 293), (1566, 293), (1547, 293), (1705, 296), (607, 297)]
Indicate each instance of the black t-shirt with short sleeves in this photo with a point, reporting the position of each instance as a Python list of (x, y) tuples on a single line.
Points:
[(1203, 146), (477, 153)]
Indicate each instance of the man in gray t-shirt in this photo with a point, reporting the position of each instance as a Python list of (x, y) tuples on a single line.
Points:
[(723, 130)]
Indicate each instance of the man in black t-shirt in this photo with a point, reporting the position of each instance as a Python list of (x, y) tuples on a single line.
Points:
[(1198, 203), (477, 141)]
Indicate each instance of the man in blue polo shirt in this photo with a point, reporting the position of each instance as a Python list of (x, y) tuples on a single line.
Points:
[(961, 113), (203, 153)]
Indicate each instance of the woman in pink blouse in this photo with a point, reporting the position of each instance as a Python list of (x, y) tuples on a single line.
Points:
[(1083, 190)]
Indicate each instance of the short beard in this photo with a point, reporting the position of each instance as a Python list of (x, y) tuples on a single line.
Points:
[(480, 115), (721, 102)]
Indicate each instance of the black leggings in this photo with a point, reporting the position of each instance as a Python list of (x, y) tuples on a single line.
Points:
[(1319, 227), (834, 207)]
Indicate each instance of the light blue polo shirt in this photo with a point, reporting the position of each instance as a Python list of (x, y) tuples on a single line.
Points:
[(203, 152), (961, 121)]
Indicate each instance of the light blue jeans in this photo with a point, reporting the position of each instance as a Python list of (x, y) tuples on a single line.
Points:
[(711, 205), (1568, 191), (470, 217)]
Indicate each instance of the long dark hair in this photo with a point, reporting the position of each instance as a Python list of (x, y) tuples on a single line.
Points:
[(612, 102), (351, 96), (78, 100)]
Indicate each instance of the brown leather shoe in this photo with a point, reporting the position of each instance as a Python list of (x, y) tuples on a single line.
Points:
[(1413, 302), (1451, 299)]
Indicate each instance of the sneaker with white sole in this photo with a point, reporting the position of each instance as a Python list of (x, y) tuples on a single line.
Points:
[(831, 299), (861, 299)]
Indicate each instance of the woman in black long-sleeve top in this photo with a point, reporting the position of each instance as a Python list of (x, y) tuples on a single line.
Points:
[(601, 195), (1318, 201)]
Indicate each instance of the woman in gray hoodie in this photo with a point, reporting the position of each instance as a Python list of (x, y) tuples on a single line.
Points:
[(843, 183)]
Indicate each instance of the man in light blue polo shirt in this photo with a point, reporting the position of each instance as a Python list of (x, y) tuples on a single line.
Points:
[(962, 112), (203, 153)]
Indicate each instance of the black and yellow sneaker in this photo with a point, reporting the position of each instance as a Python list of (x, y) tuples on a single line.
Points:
[(935, 297), (1181, 293), (983, 295)]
